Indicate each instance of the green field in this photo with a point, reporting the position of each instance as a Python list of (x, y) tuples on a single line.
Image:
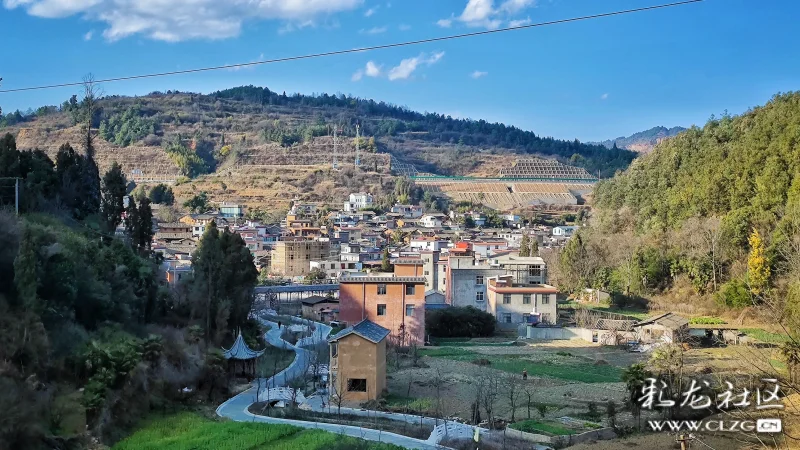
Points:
[(187, 431), (533, 426), (765, 336), (579, 370), (401, 402)]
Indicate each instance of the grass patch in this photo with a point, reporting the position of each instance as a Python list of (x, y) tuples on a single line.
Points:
[(417, 431), (274, 360), (534, 426), (765, 336), (575, 371), (187, 431), (403, 403)]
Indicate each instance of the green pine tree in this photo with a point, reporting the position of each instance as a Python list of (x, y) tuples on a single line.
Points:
[(25, 277), (524, 246), (386, 264), (114, 189), (144, 227)]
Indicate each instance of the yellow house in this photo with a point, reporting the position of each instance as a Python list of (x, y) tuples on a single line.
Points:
[(358, 363)]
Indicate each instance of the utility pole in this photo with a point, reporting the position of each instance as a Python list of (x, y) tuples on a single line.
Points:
[(16, 191)]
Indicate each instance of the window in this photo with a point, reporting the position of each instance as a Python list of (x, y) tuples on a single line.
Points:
[(479, 296), (409, 310), (526, 318), (506, 299), (381, 289), (479, 279), (535, 271), (545, 299), (334, 349), (381, 310), (427, 273), (411, 289), (526, 299), (357, 385), (507, 318)]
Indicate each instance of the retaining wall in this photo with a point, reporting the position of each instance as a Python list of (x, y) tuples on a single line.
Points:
[(601, 434)]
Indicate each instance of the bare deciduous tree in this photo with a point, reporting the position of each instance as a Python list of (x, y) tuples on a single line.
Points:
[(512, 390)]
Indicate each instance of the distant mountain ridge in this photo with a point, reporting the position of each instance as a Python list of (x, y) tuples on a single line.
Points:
[(643, 141)]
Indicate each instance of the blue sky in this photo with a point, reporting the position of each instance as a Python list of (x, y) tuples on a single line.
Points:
[(589, 80)]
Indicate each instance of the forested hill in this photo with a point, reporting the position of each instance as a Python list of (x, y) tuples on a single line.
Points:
[(433, 142), (746, 166), (643, 141), (381, 119), (708, 223)]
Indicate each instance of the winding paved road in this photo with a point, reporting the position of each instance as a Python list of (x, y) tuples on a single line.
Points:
[(236, 408)]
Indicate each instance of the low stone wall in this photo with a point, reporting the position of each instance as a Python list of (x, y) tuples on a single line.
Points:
[(601, 434)]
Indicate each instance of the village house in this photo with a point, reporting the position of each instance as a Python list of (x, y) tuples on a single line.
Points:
[(231, 210), (514, 305), (334, 268), (668, 327), (292, 258), (320, 309), (395, 301), (433, 220), (173, 231), (408, 211), (564, 231), (358, 363), (359, 201)]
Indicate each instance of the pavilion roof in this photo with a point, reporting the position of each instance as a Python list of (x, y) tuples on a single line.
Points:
[(240, 350)]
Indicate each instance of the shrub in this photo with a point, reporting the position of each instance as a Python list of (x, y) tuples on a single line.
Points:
[(459, 322), (734, 294)]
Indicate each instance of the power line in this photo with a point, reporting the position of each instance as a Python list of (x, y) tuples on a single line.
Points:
[(357, 50)]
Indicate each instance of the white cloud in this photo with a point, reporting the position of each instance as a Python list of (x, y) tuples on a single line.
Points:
[(520, 22), (478, 74), (604, 96), (407, 66), (484, 14), (444, 23), (178, 20), (374, 30), (88, 35), (403, 27), (371, 11), (515, 6), (372, 69), (290, 27)]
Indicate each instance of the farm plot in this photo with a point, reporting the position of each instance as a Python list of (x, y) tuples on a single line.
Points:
[(188, 431)]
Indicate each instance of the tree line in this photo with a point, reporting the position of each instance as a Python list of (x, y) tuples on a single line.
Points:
[(84, 304)]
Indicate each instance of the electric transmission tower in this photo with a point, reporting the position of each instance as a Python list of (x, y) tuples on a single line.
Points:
[(358, 146), (335, 144)]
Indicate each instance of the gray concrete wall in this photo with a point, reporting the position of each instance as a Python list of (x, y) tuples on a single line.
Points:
[(593, 435), (604, 337), (464, 287)]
